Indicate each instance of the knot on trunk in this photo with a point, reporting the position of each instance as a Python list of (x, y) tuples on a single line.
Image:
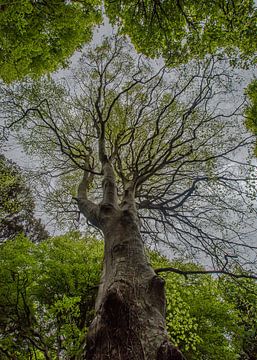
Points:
[(116, 332), (116, 309), (106, 207), (157, 290)]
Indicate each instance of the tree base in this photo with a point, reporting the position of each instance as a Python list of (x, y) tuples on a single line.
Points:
[(122, 331)]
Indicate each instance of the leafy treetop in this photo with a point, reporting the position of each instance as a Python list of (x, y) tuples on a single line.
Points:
[(183, 30), (38, 36), (169, 135)]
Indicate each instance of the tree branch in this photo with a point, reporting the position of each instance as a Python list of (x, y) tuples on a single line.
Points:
[(89, 209), (204, 272)]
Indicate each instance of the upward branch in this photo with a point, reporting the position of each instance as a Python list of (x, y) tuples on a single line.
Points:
[(89, 209), (110, 195)]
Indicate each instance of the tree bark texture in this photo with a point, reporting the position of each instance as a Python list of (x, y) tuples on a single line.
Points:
[(130, 306)]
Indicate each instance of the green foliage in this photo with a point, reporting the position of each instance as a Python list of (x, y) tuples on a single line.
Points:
[(48, 291), (243, 294), (199, 320), (17, 205), (183, 30), (47, 295), (251, 110), (38, 36)]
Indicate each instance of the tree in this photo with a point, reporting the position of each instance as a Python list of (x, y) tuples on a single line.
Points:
[(38, 36), (47, 296), (243, 295), (45, 314), (17, 205), (184, 30), (199, 320), (161, 144)]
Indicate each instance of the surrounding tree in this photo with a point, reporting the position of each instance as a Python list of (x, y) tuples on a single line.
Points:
[(48, 312), (38, 36), (17, 205), (199, 320), (162, 145), (243, 295), (47, 296), (184, 30)]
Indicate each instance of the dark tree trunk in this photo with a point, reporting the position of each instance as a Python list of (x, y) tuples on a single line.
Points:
[(130, 306)]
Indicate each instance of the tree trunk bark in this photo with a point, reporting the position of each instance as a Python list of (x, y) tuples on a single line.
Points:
[(130, 307)]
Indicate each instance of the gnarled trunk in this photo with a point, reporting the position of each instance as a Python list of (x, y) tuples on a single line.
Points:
[(130, 306)]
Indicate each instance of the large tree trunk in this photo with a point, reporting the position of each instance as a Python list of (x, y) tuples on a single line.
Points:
[(130, 306)]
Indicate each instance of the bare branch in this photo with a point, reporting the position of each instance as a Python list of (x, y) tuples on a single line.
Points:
[(205, 272)]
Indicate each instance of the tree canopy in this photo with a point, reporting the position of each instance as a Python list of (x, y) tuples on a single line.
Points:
[(168, 132), (39, 36), (184, 30)]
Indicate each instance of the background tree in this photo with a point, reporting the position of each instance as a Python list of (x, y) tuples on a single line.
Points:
[(162, 146), (184, 30), (199, 321), (47, 296), (39, 36), (243, 295), (17, 205), (48, 312)]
